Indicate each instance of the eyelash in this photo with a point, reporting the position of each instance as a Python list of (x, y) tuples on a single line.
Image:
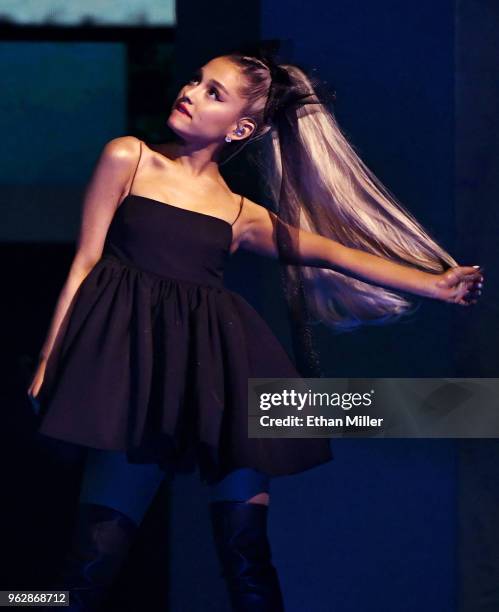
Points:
[(196, 76)]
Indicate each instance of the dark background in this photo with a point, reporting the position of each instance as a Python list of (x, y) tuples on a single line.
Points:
[(389, 524)]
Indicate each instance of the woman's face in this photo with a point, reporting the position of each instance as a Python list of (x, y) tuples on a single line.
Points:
[(213, 104)]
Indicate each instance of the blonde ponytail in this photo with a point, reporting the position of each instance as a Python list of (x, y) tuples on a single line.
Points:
[(319, 183)]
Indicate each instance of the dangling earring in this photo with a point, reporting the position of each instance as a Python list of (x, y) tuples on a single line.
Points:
[(239, 132)]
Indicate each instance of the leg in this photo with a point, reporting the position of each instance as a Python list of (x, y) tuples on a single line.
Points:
[(239, 507), (114, 498), (245, 485), (109, 480)]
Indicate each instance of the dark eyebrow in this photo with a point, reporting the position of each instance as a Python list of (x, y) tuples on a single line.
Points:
[(217, 83)]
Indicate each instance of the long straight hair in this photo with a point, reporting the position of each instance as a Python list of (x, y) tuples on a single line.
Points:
[(315, 177)]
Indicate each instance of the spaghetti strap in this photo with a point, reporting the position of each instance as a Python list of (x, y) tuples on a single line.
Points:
[(240, 209), (136, 167)]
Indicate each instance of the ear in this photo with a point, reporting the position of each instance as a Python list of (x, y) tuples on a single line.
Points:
[(245, 129)]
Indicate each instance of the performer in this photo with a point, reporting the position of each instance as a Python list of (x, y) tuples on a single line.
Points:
[(147, 356)]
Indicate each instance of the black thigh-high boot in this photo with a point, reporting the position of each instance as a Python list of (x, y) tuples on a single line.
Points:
[(101, 539), (243, 548)]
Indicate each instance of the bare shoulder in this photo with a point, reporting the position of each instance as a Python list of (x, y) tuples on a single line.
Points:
[(253, 208), (255, 213), (117, 163), (121, 151), (255, 216), (256, 227)]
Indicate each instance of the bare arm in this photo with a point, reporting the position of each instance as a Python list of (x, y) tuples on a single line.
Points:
[(102, 196), (258, 236)]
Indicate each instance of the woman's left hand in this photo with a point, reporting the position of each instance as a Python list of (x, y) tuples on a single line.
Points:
[(459, 285)]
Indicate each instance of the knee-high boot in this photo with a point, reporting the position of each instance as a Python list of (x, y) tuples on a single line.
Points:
[(243, 548), (101, 539)]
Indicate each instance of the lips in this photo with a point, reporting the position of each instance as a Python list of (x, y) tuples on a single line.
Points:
[(183, 109)]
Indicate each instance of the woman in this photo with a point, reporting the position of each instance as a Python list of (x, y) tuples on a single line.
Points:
[(147, 356)]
